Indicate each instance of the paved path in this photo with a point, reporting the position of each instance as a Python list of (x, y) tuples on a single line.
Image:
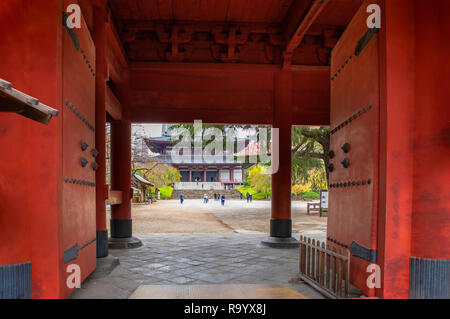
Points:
[(196, 259), (216, 291)]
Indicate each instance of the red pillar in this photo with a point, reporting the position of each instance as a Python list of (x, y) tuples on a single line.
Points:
[(190, 174), (396, 166), (100, 122), (413, 224), (431, 205), (204, 174), (121, 222), (281, 223)]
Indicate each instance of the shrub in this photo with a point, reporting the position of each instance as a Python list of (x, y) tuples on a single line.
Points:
[(165, 192), (244, 190), (311, 195), (301, 188)]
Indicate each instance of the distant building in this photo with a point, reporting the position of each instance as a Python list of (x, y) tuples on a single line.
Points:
[(199, 174)]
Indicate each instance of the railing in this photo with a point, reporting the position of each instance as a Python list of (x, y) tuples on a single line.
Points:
[(325, 269)]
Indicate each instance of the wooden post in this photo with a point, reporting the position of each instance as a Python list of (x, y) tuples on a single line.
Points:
[(333, 278), (300, 260), (347, 274), (339, 274), (322, 266), (313, 259), (303, 256), (317, 261), (308, 260)]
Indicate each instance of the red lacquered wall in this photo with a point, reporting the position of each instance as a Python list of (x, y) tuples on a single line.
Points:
[(30, 59), (41, 215), (430, 237), (14, 135)]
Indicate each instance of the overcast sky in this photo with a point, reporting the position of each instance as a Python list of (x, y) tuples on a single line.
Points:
[(151, 130), (154, 130)]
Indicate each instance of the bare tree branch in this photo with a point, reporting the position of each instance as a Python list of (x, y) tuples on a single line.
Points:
[(310, 154)]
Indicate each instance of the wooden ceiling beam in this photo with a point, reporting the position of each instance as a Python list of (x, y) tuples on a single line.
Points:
[(113, 106), (304, 25), (203, 26), (114, 40)]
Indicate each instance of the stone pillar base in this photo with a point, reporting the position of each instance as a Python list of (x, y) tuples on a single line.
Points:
[(278, 242), (124, 243), (281, 228), (280, 235), (121, 228), (104, 267), (121, 235), (102, 243)]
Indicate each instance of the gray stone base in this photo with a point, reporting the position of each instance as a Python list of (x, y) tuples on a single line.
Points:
[(279, 242), (105, 266), (124, 243), (15, 281), (102, 243)]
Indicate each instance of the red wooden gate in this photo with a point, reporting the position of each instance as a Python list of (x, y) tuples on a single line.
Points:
[(353, 199), (78, 113)]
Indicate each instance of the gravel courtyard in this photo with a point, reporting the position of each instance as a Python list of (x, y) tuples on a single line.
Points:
[(169, 216)]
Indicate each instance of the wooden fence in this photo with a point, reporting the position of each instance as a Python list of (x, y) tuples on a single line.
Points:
[(323, 268)]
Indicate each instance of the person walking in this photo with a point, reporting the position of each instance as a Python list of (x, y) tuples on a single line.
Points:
[(222, 200), (181, 199), (248, 197), (204, 198), (251, 198), (241, 196), (215, 196)]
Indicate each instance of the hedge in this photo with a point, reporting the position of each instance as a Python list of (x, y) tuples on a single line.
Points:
[(311, 195)]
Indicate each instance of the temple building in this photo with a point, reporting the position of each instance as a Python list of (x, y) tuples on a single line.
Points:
[(198, 173)]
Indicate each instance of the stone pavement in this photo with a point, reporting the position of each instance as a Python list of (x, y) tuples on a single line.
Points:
[(196, 259)]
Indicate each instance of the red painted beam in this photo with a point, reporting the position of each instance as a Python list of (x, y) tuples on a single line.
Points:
[(115, 54), (224, 93), (311, 15), (170, 115), (114, 198), (113, 106)]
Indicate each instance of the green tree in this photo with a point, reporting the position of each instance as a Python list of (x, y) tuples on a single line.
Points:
[(259, 179), (158, 173)]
